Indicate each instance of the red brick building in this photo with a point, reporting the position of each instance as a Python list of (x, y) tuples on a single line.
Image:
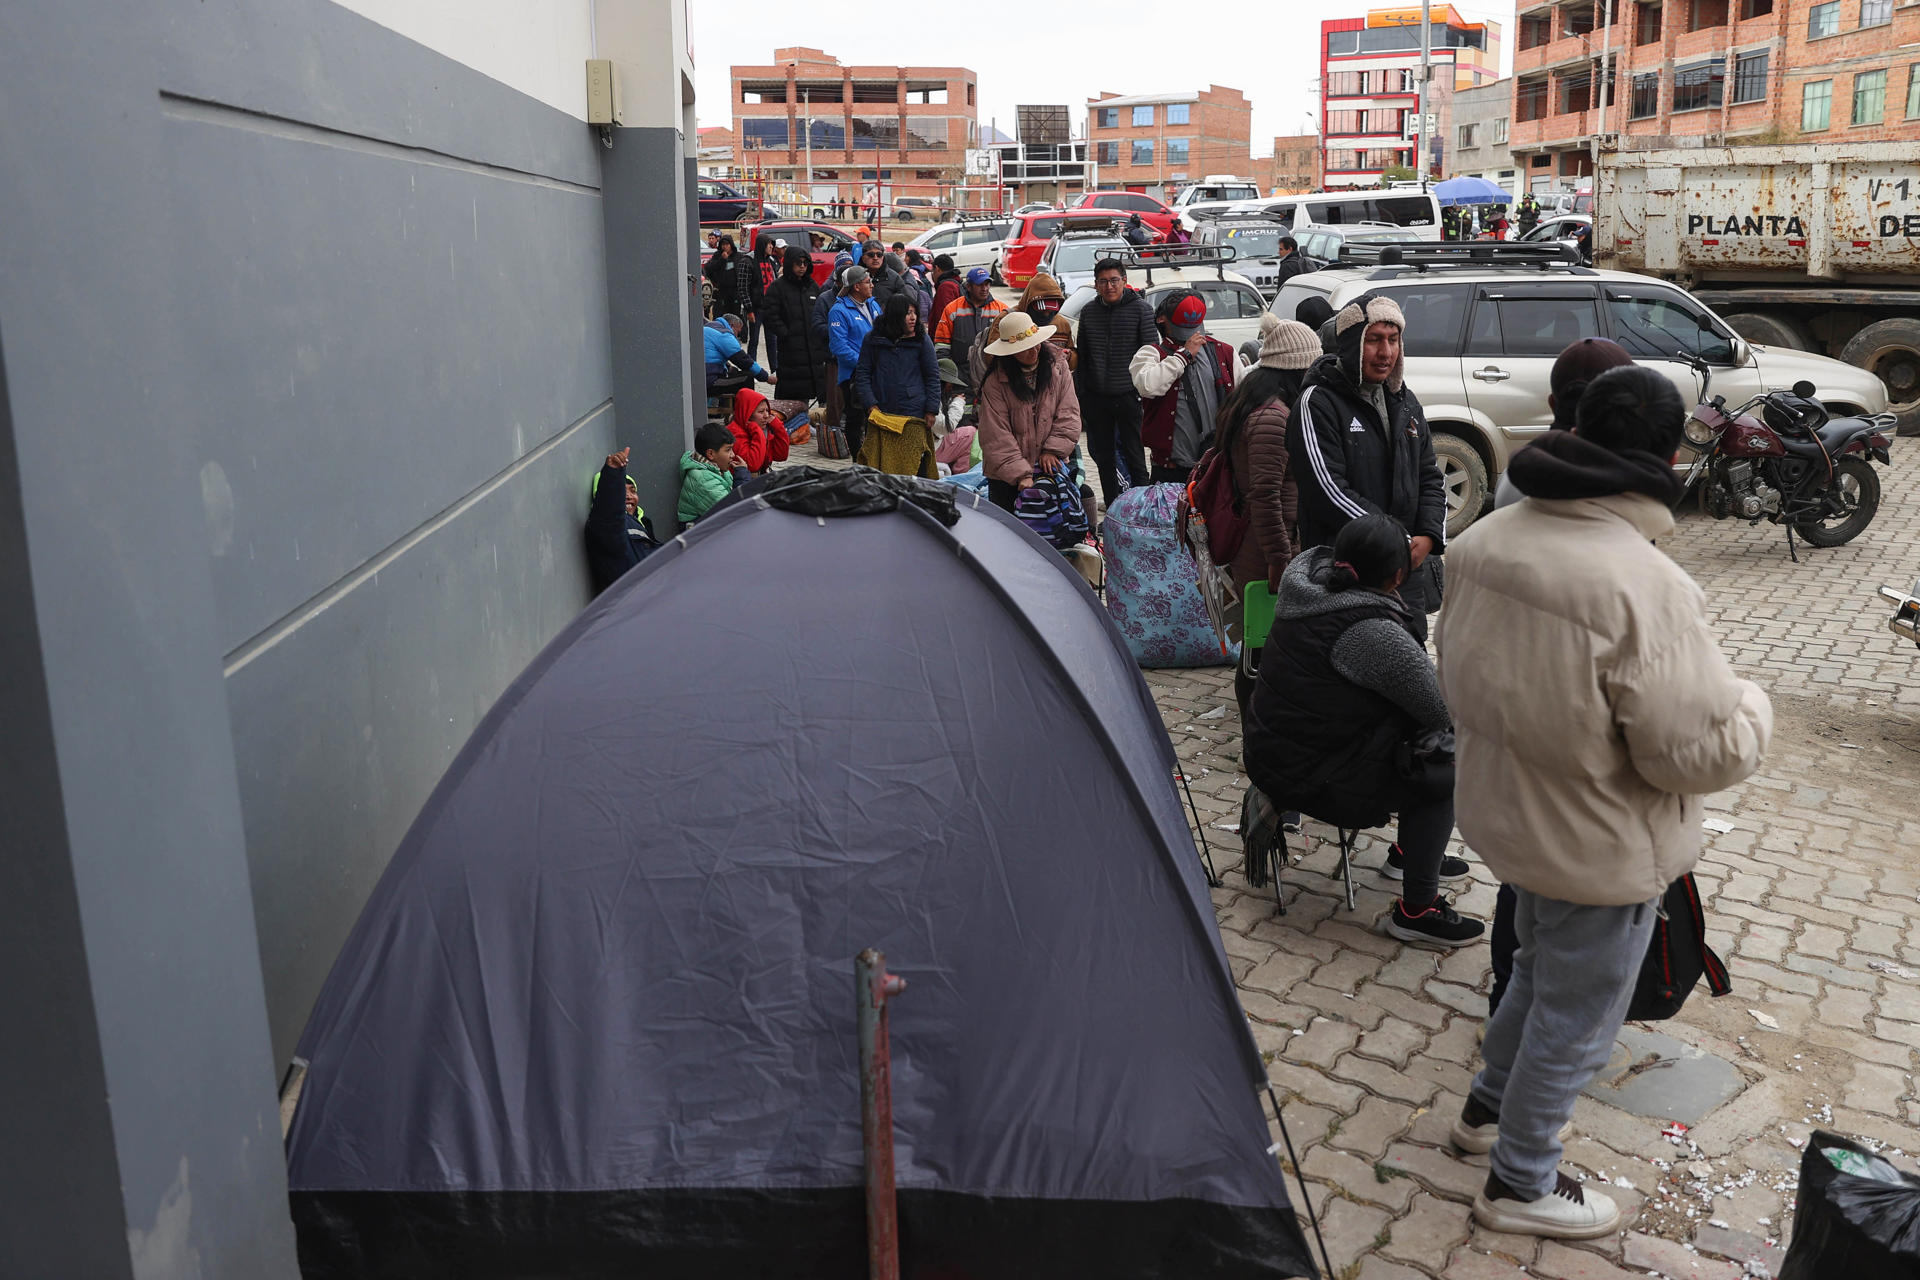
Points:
[(871, 134), (1162, 140), (1293, 167), (1370, 90), (1723, 71)]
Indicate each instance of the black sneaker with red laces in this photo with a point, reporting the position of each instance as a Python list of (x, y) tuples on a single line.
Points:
[(1438, 925)]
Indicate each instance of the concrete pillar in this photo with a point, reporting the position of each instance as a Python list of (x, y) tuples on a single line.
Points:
[(652, 226), (137, 1109)]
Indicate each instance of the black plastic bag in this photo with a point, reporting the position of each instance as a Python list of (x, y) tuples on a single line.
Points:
[(856, 491), (1858, 1218)]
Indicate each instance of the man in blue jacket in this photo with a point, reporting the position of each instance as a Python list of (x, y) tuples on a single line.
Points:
[(848, 324), (723, 351)]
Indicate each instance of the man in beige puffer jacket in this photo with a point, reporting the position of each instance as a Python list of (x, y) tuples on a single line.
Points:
[(1593, 710)]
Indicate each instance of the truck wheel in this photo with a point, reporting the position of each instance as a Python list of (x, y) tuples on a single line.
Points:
[(1771, 329), (1890, 350), (1465, 474)]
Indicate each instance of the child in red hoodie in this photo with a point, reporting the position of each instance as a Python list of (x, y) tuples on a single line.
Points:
[(759, 436)]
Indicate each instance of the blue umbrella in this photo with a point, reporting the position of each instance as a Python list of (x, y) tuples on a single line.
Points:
[(1471, 191)]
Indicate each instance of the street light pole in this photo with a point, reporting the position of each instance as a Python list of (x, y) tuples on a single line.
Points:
[(1426, 76)]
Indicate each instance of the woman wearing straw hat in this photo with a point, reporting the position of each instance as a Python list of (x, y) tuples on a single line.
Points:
[(1029, 413)]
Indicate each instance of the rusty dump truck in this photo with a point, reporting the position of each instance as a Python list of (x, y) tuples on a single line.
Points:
[(1815, 247)]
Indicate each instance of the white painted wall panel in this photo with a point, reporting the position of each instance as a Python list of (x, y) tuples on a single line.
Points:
[(539, 47)]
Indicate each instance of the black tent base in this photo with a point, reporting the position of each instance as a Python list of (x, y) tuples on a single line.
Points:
[(780, 1235)]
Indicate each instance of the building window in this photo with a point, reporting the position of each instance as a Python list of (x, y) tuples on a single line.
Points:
[(1755, 9), (1913, 92), (1870, 97), (1707, 13), (1142, 116), (969, 95), (1109, 117), (1106, 153), (1816, 104), (1750, 77), (1142, 153), (1500, 132), (926, 133), (1823, 20), (928, 97), (1576, 93), (1645, 103), (1536, 30), (1176, 150), (1177, 112), (1579, 19), (1542, 161), (1876, 13), (1646, 25), (1530, 101), (1465, 133), (767, 133), (1699, 85), (1345, 84)]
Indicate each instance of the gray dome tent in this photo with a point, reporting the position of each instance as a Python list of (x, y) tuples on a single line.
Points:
[(597, 1018)]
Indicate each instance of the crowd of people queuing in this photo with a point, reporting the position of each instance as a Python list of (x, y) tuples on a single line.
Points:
[(1579, 707)]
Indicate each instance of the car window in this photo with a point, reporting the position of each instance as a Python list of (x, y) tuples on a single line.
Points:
[(1436, 316), (1080, 255), (983, 234), (1402, 211), (1292, 294), (709, 189), (940, 241), (1253, 242), (1325, 214), (1143, 204), (1044, 228), (1657, 322), (1540, 321)]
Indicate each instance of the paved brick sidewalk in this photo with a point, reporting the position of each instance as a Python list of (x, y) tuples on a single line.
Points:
[(1812, 891)]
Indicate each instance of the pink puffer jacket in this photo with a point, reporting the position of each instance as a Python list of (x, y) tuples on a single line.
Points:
[(1015, 432)]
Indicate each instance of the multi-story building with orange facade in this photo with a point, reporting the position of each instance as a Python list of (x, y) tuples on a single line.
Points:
[(1149, 141), (867, 134), (1719, 71), (1369, 88)]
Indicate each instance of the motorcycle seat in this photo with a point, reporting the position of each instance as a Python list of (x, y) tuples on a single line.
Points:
[(1832, 437)]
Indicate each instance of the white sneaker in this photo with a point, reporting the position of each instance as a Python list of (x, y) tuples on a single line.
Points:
[(1568, 1212), (1474, 1132)]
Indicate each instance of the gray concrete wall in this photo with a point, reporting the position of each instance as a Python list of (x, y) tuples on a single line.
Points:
[(307, 355)]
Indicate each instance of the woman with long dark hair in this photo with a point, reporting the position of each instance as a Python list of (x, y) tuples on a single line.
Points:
[(1029, 413), (898, 382), (1347, 722)]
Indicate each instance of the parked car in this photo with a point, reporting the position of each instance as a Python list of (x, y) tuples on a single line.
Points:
[(1486, 321), (817, 238), (1321, 246), (1069, 256), (1256, 247), (1416, 212), (1202, 201), (1038, 206), (907, 208), (723, 202), (1124, 203), (1234, 306), (1559, 228), (1027, 240), (972, 243)]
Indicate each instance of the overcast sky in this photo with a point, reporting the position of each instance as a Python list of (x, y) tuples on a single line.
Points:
[(1060, 53)]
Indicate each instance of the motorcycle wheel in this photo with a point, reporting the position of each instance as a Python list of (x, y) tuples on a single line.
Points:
[(1857, 485)]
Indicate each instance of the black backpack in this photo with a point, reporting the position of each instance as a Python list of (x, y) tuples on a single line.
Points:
[(1677, 957)]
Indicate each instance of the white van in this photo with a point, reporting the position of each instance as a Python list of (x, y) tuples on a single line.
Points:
[(1417, 213)]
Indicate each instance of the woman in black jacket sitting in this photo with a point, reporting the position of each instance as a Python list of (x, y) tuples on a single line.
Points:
[(1345, 699)]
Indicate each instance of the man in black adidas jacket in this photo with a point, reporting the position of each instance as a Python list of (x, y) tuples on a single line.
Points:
[(1359, 443)]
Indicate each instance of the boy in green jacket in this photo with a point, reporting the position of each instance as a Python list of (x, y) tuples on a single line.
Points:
[(706, 471)]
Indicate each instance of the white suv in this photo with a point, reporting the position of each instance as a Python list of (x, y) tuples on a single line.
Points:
[(1234, 305), (1485, 323), (973, 243)]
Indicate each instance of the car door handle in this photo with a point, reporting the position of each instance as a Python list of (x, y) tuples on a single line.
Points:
[(1491, 374)]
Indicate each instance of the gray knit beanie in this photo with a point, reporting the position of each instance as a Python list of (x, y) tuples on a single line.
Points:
[(1286, 344)]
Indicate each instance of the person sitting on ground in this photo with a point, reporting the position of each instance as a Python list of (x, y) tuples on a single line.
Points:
[(729, 367), (1595, 711), (619, 535), (706, 471), (759, 436), (1183, 379), (897, 385), (1345, 691), (1029, 412), (955, 431)]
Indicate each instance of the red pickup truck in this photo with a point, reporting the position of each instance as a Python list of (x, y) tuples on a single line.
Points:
[(830, 242)]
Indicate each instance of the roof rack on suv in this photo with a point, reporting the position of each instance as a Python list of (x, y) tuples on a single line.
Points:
[(1247, 215), (1400, 257), (981, 215), (1177, 257)]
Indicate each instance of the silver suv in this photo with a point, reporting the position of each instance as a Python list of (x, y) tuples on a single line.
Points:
[(1486, 321)]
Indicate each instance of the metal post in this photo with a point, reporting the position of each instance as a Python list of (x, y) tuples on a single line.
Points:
[(806, 101), (1426, 76), (1603, 88), (874, 987)]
